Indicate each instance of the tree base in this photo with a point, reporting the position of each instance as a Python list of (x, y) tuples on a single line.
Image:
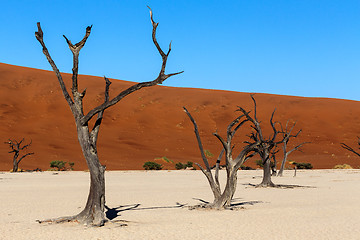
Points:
[(266, 185), (213, 207), (77, 218)]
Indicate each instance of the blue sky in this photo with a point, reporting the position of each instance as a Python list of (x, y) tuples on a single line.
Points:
[(291, 47)]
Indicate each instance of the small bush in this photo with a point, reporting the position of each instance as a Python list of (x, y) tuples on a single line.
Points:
[(208, 153), (344, 166), (60, 165), (189, 165), (243, 167), (152, 166), (71, 164), (303, 165), (259, 163), (180, 165)]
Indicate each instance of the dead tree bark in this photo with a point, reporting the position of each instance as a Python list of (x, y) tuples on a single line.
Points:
[(16, 148), (274, 163), (347, 147), (222, 199), (286, 137), (93, 213)]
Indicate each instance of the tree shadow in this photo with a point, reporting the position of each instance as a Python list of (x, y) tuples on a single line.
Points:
[(283, 186), (112, 213), (235, 202)]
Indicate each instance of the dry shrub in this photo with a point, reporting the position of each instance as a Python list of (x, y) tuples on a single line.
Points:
[(344, 166)]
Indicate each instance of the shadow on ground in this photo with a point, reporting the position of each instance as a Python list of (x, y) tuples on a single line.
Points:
[(283, 186), (112, 213), (235, 202)]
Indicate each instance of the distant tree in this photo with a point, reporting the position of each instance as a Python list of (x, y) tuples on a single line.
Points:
[(265, 145), (93, 213), (286, 132), (16, 147), (347, 147)]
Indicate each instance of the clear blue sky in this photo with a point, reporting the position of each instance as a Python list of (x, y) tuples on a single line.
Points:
[(291, 47)]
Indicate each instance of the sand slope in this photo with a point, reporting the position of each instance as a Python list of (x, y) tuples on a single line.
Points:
[(326, 209), (151, 124)]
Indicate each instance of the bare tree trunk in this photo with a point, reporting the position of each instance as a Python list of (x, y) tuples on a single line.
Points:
[(280, 173), (15, 162), (224, 200), (266, 181), (94, 210)]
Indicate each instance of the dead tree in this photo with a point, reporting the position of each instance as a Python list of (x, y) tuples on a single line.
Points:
[(16, 148), (347, 147), (264, 146), (93, 213), (222, 199), (285, 140)]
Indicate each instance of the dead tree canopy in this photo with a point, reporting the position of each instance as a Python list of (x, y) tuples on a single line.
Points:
[(265, 146), (257, 144), (93, 213), (347, 147), (16, 147)]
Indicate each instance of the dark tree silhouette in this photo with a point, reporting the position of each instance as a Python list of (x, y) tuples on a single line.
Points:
[(347, 147), (93, 213), (286, 133), (16, 147)]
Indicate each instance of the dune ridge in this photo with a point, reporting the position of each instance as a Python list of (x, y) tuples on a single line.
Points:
[(151, 124)]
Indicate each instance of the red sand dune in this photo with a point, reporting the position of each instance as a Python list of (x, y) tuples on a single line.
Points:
[(151, 124)]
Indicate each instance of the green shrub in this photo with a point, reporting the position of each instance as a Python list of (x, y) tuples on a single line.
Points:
[(189, 165), (180, 165), (60, 165), (152, 166), (71, 164), (208, 153), (259, 163)]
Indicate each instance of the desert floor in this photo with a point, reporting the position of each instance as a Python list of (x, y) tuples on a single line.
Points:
[(326, 207)]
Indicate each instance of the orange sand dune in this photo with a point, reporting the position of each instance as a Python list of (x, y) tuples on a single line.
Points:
[(150, 123)]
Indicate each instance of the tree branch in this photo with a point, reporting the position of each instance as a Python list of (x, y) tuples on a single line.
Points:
[(349, 148), (218, 167), (39, 36), (160, 79), (95, 131), (205, 160), (75, 49), (25, 156)]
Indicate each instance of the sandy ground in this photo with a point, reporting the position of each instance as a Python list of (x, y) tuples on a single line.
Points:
[(327, 208)]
